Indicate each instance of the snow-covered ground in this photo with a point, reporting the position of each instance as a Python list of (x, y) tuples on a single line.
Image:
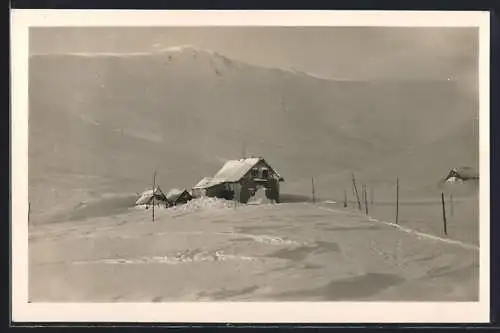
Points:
[(212, 250), (88, 244)]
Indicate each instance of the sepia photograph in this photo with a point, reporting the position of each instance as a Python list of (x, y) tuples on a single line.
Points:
[(257, 164)]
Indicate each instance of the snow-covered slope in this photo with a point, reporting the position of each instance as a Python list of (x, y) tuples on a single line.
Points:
[(216, 251)]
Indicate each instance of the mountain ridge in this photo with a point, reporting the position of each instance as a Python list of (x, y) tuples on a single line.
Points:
[(198, 50)]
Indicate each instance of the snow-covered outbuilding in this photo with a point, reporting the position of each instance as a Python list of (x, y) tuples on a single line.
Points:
[(461, 174), (240, 179), (177, 197), (149, 196)]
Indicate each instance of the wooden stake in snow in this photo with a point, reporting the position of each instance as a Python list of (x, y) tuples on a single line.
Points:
[(345, 198), (29, 211), (363, 196), (372, 194), (353, 196), (154, 186), (356, 191), (445, 227), (313, 195), (397, 200), (366, 199)]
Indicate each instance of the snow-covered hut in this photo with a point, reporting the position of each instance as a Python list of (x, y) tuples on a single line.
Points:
[(177, 197), (149, 196), (240, 179), (461, 174)]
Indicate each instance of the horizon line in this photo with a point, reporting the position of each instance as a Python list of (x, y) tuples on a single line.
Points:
[(185, 47)]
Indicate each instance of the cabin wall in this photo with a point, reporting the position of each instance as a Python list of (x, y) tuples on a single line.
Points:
[(273, 190), (242, 193), (258, 179), (251, 182), (260, 166), (199, 192), (213, 191), (226, 192), (184, 198), (217, 191), (236, 187)]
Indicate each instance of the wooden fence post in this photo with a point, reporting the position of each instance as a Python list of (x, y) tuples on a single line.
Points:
[(445, 227), (353, 196), (154, 185), (366, 199), (312, 183), (356, 191), (345, 198)]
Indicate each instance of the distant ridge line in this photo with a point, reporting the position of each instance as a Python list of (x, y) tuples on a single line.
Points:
[(191, 48), (290, 70)]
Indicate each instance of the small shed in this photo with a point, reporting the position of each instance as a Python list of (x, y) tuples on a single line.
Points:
[(177, 197), (461, 174), (149, 196)]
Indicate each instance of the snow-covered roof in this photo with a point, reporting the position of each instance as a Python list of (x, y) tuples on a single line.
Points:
[(174, 191), (174, 194), (148, 194), (234, 170), (207, 182)]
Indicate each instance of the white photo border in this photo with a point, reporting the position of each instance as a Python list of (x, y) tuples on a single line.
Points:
[(234, 312)]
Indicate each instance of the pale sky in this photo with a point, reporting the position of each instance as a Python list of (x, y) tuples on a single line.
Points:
[(334, 52)]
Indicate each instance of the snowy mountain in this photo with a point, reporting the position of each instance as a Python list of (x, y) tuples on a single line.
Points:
[(103, 122)]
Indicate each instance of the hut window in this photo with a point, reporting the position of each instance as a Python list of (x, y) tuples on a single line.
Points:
[(255, 172), (265, 173)]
